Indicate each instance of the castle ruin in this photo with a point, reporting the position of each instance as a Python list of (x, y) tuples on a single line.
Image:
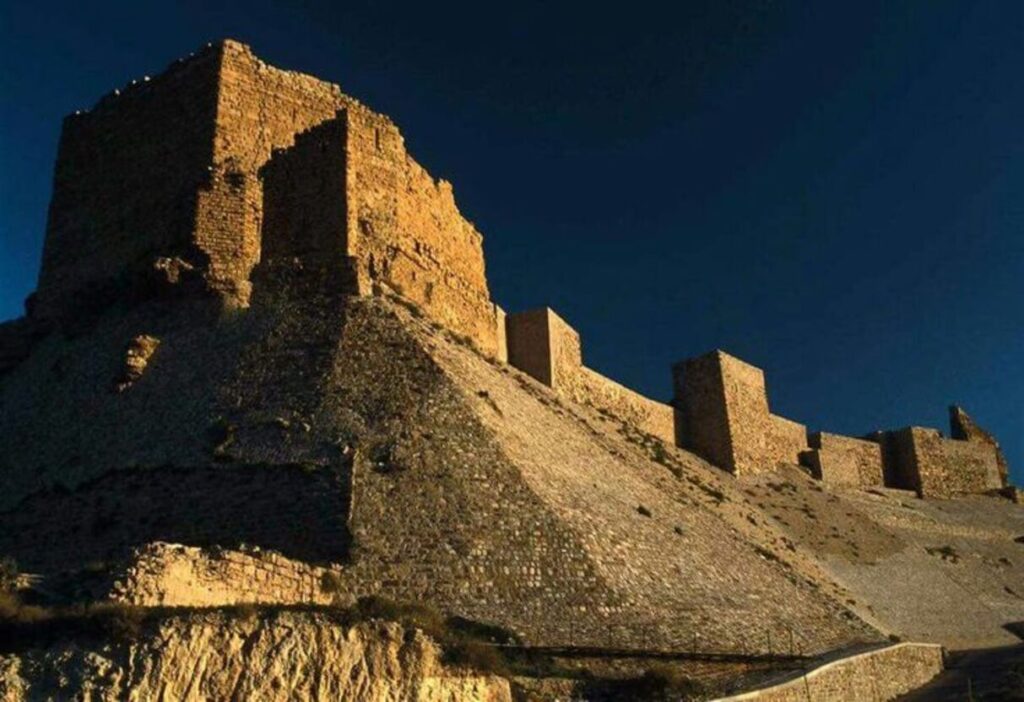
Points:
[(230, 177)]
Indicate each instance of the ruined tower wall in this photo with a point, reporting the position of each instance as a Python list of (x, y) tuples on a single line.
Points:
[(406, 230), (963, 428), (304, 199), (939, 467), (125, 182), (259, 109), (725, 415), (174, 168), (402, 225)]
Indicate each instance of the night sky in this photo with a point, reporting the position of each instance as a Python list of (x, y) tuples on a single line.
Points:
[(830, 191)]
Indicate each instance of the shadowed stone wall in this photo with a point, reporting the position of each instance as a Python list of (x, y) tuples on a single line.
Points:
[(299, 512), (126, 181)]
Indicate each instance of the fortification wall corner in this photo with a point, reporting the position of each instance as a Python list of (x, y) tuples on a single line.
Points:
[(726, 417), (936, 466)]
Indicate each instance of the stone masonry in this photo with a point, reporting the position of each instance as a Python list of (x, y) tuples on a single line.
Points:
[(543, 345), (725, 416), (933, 465), (188, 150), (963, 428), (843, 460)]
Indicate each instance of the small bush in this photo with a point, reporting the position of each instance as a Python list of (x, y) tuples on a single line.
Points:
[(408, 614), (643, 511), (8, 574), (9, 605), (479, 630), (476, 655), (24, 625), (659, 682), (245, 611), (121, 622), (946, 553), (330, 583)]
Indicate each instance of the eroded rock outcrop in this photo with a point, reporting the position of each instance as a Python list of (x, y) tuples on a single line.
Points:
[(272, 656)]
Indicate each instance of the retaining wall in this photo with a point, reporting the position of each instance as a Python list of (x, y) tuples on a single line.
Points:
[(874, 676)]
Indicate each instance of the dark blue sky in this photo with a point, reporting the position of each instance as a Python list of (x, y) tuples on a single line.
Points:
[(831, 191)]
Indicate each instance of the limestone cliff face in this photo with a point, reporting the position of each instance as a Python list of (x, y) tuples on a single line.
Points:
[(288, 655)]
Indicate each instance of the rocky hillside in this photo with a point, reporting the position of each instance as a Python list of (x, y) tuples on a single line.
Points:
[(363, 444)]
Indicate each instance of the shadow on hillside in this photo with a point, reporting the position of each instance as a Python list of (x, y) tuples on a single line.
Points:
[(298, 511)]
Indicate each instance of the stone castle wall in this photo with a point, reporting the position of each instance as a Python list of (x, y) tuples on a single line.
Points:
[(126, 181), (939, 467), (401, 225), (173, 168), (842, 460), (259, 109), (224, 161), (406, 229), (726, 417), (543, 345), (723, 416)]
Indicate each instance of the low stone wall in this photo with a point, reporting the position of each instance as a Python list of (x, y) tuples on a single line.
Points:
[(172, 575), (655, 418), (875, 676), (842, 460)]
